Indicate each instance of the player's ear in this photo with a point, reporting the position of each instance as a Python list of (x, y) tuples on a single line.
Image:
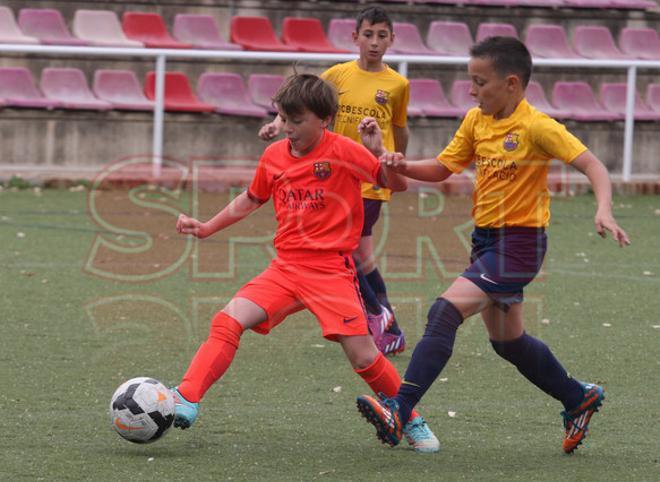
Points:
[(356, 36), (326, 122), (513, 82)]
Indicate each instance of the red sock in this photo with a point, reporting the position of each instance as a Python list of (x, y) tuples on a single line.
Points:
[(381, 376), (212, 358)]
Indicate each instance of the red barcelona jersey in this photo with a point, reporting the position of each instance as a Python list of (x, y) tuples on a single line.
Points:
[(317, 197)]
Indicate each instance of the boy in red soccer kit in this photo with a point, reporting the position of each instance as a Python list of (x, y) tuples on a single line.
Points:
[(314, 178)]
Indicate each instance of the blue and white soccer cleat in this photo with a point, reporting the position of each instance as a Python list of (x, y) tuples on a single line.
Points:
[(185, 412), (419, 435), (576, 421)]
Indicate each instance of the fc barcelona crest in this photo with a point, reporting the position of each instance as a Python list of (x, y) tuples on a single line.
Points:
[(511, 142), (322, 170), (382, 96)]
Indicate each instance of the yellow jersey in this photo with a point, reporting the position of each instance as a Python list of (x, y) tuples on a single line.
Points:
[(512, 157), (382, 95)]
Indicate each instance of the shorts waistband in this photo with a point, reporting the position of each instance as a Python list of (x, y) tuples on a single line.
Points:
[(496, 232), (309, 254)]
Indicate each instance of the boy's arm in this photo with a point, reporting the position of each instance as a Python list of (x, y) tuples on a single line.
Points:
[(401, 136), (588, 164), (429, 170), (233, 212), (272, 129)]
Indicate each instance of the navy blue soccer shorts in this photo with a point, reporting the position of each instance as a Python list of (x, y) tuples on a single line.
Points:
[(505, 260), (371, 215)]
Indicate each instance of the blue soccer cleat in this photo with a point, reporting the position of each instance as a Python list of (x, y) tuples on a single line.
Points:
[(185, 412), (576, 421), (384, 415), (419, 435)]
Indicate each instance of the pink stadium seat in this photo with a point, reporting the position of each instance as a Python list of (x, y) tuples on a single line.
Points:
[(428, 96), (340, 33), (653, 97), (408, 40), (47, 25), (642, 43), (179, 96), (18, 89), (201, 31), (536, 96), (596, 42), (69, 87), (414, 111), (443, 2), (588, 3), (493, 3), (226, 91), (633, 4), (486, 30), (9, 31), (578, 99), (257, 33), (101, 27), (121, 88), (613, 97), (262, 89), (150, 29), (449, 38), (307, 35), (549, 41), (460, 95), (541, 3)]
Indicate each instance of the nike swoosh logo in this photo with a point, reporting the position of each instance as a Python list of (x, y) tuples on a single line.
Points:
[(486, 278), (121, 426), (348, 320)]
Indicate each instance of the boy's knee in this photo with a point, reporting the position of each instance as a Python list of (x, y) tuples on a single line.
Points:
[(443, 316), (225, 328), (511, 350)]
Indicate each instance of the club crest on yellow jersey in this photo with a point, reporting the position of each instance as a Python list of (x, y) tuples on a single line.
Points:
[(511, 142), (322, 170), (382, 97)]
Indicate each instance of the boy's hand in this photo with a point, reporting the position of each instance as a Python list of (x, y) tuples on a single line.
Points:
[(269, 131), (372, 137), (605, 222), (394, 160), (188, 225)]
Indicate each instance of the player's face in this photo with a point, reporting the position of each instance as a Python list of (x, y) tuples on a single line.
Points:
[(304, 131), (373, 40), (493, 92)]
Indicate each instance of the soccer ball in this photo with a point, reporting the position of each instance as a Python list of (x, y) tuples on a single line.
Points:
[(142, 410)]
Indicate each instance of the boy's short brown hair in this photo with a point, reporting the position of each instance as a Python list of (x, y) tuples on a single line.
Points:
[(373, 15), (508, 55), (302, 92)]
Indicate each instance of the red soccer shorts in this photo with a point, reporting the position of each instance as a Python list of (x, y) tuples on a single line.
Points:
[(326, 284)]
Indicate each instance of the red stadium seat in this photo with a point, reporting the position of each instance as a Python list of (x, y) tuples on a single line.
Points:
[(408, 40), (121, 88), (340, 34), (262, 89), (536, 96), (18, 89), (642, 43), (256, 33), (69, 87), (150, 29), (449, 38), (47, 25), (201, 31), (226, 91), (307, 35), (179, 96), (428, 96), (9, 31), (101, 27), (613, 97), (596, 42), (486, 30), (549, 41), (460, 95), (578, 99)]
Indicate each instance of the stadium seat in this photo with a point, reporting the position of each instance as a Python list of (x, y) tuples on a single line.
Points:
[(653, 97), (257, 33), (541, 3), (536, 96), (549, 41), (588, 3), (179, 96), (408, 40), (493, 3), (642, 43), (460, 95), (101, 27), (578, 99), (18, 89), (596, 42), (150, 29), (428, 96), (9, 31), (201, 31), (47, 25), (262, 89), (613, 98), (227, 92), (121, 88), (307, 35), (633, 4), (414, 111), (449, 38), (340, 34), (69, 87), (486, 30)]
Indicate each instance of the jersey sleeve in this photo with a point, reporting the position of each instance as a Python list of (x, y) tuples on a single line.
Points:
[(555, 141), (261, 186), (460, 152), (400, 113), (362, 162)]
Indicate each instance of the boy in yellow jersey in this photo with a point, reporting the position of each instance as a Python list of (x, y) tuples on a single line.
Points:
[(511, 144), (367, 87)]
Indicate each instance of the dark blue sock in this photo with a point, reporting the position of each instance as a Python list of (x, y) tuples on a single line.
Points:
[(377, 284), (536, 362), (430, 356), (368, 296)]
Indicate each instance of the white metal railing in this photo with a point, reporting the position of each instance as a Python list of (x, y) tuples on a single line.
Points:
[(161, 55)]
